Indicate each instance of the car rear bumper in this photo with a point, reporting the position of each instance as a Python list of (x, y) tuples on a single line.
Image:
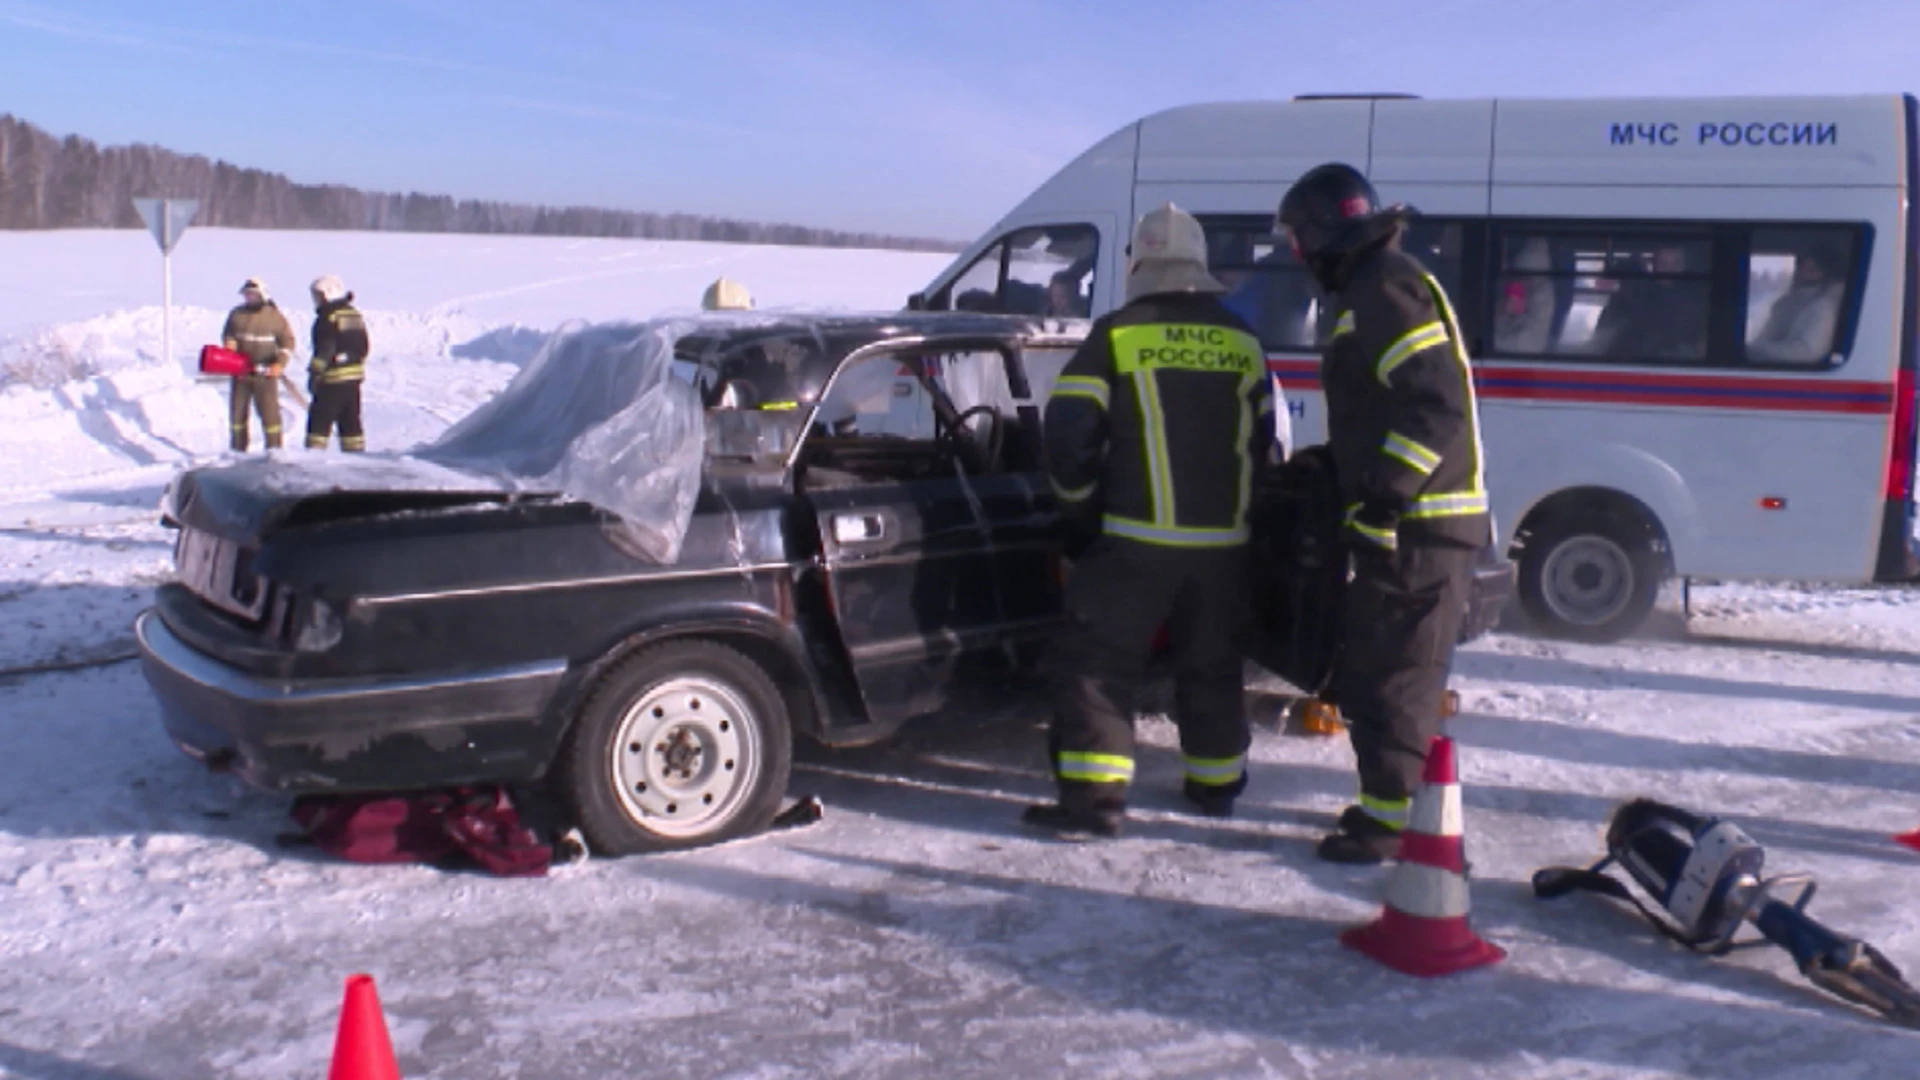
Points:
[(350, 734)]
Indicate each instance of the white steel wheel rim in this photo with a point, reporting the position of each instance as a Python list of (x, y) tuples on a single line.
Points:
[(686, 755), (1588, 580)]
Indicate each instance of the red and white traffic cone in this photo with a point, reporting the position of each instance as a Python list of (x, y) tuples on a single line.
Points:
[(361, 1049), (1423, 929)]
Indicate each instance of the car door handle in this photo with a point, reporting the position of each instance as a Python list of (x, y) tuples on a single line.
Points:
[(859, 528)]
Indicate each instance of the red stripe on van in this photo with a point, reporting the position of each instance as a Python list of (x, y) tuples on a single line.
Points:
[(1766, 393)]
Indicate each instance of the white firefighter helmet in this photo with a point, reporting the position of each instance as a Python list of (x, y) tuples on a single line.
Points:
[(1169, 255), (726, 294), (329, 288)]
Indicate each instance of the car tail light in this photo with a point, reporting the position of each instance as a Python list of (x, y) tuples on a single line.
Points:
[(1900, 465)]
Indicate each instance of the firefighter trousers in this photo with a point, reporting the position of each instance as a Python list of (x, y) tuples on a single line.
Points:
[(1400, 618), (1121, 594), (335, 404), (260, 392)]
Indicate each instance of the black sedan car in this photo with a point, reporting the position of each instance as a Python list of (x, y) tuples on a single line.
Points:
[(661, 552)]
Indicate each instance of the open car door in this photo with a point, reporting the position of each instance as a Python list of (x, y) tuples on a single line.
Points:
[(907, 507)]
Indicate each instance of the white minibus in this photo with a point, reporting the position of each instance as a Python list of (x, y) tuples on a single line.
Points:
[(1692, 320)]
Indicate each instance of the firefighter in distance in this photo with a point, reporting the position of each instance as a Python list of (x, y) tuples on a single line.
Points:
[(337, 369), (257, 330)]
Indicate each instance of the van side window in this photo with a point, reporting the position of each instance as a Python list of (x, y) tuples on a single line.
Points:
[(1798, 280), (1641, 294), (1279, 297), (877, 398), (1047, 270)]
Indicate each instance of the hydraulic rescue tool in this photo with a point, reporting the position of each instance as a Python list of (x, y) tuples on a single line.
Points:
[(1704, 874)]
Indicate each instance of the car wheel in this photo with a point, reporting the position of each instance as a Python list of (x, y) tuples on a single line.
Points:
[(682, 745), (1589, 579)]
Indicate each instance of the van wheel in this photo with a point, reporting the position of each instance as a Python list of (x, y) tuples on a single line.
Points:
[(683, 745), (1589, 578)]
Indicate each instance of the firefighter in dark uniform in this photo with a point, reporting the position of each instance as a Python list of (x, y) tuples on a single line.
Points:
[(337, 369), (1403, 428), (1153, 431)]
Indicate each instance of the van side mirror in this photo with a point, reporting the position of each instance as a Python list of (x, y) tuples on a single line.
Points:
[(917, 302)]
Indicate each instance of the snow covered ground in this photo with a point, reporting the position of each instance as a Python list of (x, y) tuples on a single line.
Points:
[(151, 929)]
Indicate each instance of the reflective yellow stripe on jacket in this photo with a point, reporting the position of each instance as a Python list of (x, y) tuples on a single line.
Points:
[(1140, 353)]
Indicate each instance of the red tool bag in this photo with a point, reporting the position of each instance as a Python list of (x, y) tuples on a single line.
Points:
[(465, 826), (215, 360)]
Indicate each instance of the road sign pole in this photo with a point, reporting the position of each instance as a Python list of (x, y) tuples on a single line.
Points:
[(166, 308), (166, 219)]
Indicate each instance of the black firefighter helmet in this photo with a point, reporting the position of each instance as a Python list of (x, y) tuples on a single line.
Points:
[(1332, 212)]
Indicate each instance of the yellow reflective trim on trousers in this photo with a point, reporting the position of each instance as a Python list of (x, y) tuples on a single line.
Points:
[(1148, 532), (1185, 347), (1082, 386), (1216, 772), (316, 442), (1406, 346), (353, 442), (1094, 768), (1389, 812), (343, 374), (1415, 456)]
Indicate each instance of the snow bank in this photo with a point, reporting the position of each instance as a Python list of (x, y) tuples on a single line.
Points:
[(85, 397)]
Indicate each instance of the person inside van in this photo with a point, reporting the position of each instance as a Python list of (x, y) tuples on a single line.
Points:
[(1800, 324), (1655, 317), (1524, 319), (1063, 296)]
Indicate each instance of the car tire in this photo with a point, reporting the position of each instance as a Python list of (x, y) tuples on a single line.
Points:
[(682, 745), (1589, 578)]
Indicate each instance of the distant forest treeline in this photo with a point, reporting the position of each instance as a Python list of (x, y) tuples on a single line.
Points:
[(72, 183)]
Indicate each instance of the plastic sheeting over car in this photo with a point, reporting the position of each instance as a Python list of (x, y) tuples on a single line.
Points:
[(597, 416)]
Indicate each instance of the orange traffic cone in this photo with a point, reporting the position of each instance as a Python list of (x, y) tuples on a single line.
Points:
[(361, 1049), (1911, 839), (1449, 704), (1423, 929)]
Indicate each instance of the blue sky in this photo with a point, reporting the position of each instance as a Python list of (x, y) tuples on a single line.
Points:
[(909, 116)]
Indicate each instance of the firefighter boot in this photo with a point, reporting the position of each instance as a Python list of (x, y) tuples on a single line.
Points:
[(1079, 815), (1214, 800), (1360, 838)]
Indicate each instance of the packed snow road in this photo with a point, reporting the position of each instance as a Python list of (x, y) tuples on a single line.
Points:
[(154, 930)]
